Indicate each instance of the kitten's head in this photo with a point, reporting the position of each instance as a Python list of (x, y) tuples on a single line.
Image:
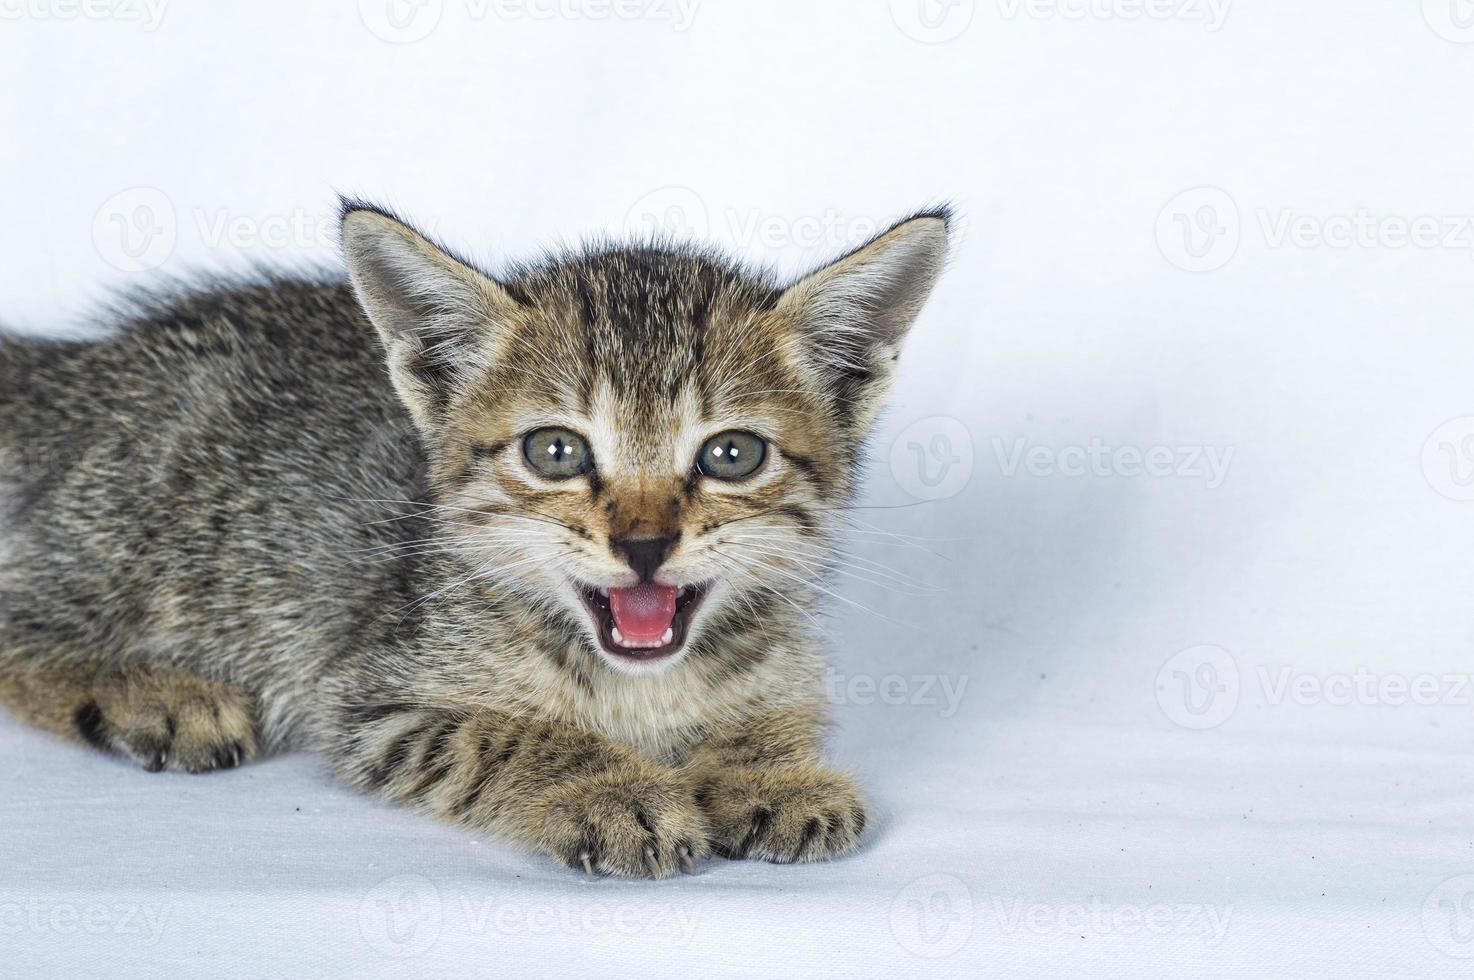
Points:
[(645, 439)]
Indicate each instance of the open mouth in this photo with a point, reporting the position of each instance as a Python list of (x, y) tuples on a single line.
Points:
[(642, 622)]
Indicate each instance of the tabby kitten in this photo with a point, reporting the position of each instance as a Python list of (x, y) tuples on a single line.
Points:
[(553, 574)]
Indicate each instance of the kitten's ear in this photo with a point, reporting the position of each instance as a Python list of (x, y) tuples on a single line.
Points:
[(852, 314), (440, 320)]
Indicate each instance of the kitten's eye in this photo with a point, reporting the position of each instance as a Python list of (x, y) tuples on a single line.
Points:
[(731, 455), (557, 454)]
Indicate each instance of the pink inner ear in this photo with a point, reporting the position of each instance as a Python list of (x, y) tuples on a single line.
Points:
[(643, 612)]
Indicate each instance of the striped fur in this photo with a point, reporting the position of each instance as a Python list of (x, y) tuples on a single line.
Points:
[(293, 512)]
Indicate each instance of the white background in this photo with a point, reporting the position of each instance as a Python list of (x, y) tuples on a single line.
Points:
[(1122, 706)]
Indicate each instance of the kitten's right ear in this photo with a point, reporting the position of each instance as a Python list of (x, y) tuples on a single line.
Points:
[(440, 320)]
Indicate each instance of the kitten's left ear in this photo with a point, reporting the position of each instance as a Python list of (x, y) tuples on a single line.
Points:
[(852, 314)]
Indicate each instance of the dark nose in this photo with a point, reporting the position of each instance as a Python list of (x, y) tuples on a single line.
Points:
[(643, 554)]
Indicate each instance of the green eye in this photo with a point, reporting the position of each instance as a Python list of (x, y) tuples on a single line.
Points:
[(731, 455), (557, 454)]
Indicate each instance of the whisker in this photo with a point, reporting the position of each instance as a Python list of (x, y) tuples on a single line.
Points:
[(875, 577), (835, 560), (809, 583)]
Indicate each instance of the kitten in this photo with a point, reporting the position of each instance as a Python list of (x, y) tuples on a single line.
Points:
[(552, 574)]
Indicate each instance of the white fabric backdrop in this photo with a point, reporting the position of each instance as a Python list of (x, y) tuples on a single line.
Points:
[(1210, 719)]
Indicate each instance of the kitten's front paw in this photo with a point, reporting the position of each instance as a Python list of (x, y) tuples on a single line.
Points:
[(166, 719), (784, 814), (636, 823)]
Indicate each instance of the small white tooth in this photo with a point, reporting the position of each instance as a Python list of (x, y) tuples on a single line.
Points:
[(603, 592), (670, 634), (680, 592), (618, 636)]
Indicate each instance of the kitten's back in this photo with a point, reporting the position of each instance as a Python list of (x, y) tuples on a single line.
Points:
[(195, 479)]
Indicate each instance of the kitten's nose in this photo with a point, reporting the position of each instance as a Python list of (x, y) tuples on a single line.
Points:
[(644, 554)]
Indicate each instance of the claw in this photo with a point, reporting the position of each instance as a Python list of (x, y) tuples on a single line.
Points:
[(688, 863), (652, 865), (588, 865)]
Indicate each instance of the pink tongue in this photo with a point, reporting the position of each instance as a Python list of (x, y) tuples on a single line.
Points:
[(644, 612)]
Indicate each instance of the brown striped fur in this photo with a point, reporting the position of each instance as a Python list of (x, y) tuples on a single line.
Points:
[(229, 530)]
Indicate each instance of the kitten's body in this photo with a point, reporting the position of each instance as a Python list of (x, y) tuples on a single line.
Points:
[(227, 533)]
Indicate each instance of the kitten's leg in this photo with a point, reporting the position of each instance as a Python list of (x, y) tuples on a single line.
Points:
[(590, 802), (159, 717), (767, 793)]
